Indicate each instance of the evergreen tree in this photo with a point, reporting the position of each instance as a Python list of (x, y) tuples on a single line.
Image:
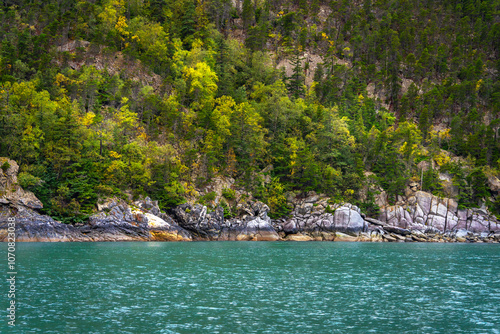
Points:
[(296, 80), (188, 27)]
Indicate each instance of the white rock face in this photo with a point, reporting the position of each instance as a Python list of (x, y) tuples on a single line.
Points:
[(428, 212), (156, 222), (258, 224)]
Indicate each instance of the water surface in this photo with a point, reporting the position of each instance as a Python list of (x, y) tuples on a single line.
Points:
[(255, 287)]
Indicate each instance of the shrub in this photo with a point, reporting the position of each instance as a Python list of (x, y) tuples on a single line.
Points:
[(207, 198), (5, 166), (274, 195), (227, 209), (228, 194), (172, 196), (28, 181)]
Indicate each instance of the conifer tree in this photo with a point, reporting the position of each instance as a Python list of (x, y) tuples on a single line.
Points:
[(296, 80)]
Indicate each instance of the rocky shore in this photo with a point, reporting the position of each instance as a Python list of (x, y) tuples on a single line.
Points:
[(418, 217)]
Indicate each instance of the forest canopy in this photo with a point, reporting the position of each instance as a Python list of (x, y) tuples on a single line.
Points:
[(158, 98)]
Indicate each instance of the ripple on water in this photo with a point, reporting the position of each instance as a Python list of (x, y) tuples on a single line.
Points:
[(258, 288)]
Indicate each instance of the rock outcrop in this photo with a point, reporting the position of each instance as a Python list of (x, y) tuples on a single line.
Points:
[(253, 225), (418, 216), (427, 213), (315, 217), (10, 192), (32, 226), (117, 221), (21, 205)]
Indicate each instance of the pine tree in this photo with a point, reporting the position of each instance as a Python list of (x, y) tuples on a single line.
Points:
[(222, 67), (188, 27), (424, 122), (296, 80), (247, 14)]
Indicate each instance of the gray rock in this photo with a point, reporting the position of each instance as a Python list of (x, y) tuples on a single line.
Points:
[(375, 221), (397, 230), (31, 226), (424, 201), (290, 227), (312, 199), (494, 183), (348, 220), (196, 220)]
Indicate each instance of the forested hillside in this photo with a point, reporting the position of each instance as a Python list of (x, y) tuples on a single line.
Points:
[(158, 98)]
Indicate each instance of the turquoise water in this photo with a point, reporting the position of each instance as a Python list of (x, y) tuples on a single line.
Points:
[(255, 287)]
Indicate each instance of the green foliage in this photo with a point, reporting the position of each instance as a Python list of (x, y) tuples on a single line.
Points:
[(186, 101), (208, 198), (328, 209), (273, 195), (494, 207), (28, 181), (228, 194), (432, 183), (228, 212), (5, 166)]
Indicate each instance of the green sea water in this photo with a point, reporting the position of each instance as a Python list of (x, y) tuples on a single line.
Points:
[(254, 287)]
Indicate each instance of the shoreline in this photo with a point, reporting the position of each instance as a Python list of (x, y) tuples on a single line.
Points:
[(418, 217), (492, 238)]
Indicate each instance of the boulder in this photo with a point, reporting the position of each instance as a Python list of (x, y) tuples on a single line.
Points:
[(290, 226), (397, 230), (494, 184), (298, 237), (348, 220)]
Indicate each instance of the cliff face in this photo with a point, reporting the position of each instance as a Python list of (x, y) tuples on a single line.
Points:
[(420, 216), (424, 212), (22, 205), (10, 192)]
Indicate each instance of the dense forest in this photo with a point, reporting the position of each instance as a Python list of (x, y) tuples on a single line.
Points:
[(104, 98)]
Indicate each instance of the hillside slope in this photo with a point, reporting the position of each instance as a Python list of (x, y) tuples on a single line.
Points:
[(155, 98)]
